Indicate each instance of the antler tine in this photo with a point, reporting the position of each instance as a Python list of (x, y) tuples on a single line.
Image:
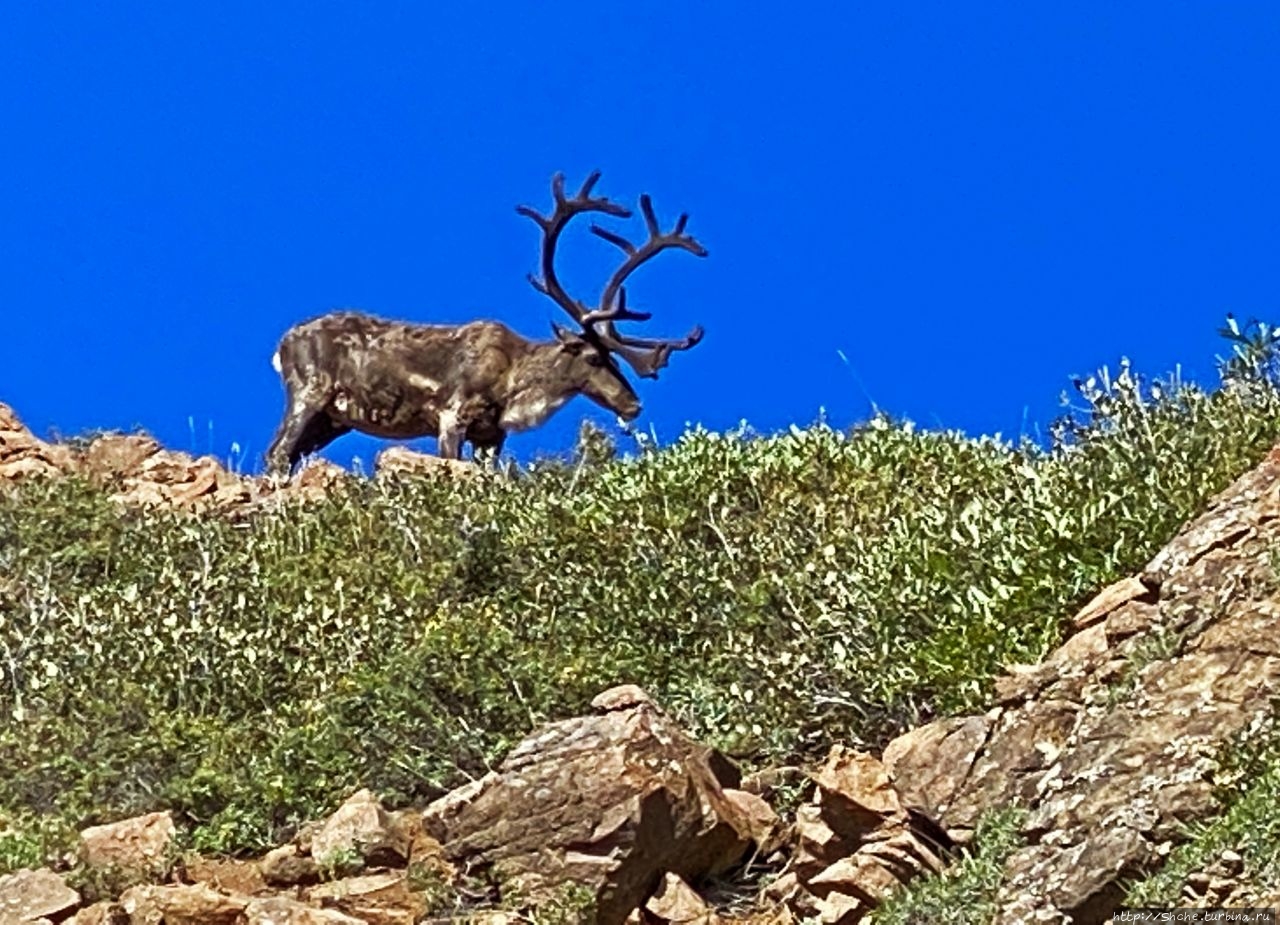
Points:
[(645, 355), (619, 312), (551, 225), (657, 243), (646, 206)]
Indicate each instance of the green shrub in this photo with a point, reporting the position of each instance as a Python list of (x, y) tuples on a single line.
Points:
[(778, 594)]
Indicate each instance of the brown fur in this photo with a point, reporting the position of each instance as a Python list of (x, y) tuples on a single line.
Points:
[(474, 382)]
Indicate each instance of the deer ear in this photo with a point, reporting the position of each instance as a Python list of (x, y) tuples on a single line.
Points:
[(568, 339)]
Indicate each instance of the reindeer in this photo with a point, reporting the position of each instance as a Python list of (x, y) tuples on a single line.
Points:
[(479, 381)]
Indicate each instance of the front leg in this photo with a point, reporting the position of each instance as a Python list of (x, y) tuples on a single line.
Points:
[(449, 438), (488, 449)]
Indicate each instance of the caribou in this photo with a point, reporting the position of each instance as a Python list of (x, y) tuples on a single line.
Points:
[(475, 382)]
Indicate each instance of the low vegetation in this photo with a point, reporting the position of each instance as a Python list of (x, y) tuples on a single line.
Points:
[(777, 593)]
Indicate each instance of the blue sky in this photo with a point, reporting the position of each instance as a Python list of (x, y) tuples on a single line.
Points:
[(946, 208)]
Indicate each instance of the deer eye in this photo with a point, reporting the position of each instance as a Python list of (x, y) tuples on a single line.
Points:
[(595, 359)]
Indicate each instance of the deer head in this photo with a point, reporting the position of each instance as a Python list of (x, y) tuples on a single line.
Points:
[(591, 352)]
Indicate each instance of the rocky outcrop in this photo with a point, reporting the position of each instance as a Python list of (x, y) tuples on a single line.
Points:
[(612, 801), (363, 830), (1112, 742), (140, 473), (854, 844), (618, 811), (23, 455)]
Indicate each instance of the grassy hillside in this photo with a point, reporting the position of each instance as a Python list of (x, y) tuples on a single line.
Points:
[(778, 594)]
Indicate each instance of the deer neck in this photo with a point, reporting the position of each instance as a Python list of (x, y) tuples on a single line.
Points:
[(534, 392)]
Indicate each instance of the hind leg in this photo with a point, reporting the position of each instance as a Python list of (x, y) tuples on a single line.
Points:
[(303, 431), (319, 433)]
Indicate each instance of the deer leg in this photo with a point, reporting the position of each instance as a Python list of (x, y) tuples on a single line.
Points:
[(490, 450), (449, 437), (303, 431), (280, 455), (320, 431)]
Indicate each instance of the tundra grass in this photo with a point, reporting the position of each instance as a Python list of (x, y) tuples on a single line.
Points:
[(777, 594)]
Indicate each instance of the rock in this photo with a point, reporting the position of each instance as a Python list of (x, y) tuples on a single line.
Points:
[(117, 456), (1232, 862), (30, 895), (675, 903), (378, 899), (855, 792), (204, 480), (622, 697), (140, 847), (841, 909), (280, 910), (360, 829), (102, 913), (1198, 882), (9, 420), (230, 876), (425, 852), (856, 843), (929, 765), (766, 781), (402, 461), (288, 865), (182, 904), (766, 828), (141, 474), (17, 470), (24, 456), (1109, 599), (317, 477), (611, 801), (860, 876), (443, 813)]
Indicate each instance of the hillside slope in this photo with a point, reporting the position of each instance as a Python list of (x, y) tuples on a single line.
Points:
[(176, 636)]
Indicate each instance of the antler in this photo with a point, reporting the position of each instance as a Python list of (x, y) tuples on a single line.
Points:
[(552, 225), (644, 355)]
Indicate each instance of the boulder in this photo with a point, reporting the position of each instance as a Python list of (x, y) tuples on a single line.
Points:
[(182, 904), (228, 875), (32, 895), (117, 456), (397, 461), (141, 847), (612, 801), (102, 913), (280, 910), (360, 829), (676, 903), (378, 899), (855, 843), (288, 865)]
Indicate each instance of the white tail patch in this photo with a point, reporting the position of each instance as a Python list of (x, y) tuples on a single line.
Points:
[(275, 362), (419, 381)]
